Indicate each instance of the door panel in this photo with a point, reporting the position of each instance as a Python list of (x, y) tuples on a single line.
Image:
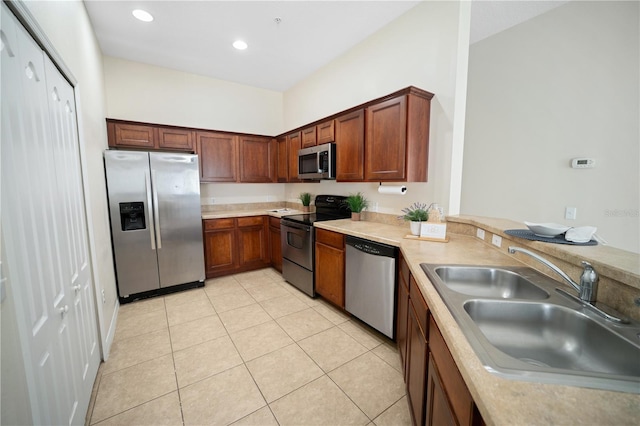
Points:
[(176, 187), (129, 180), (73, 233)]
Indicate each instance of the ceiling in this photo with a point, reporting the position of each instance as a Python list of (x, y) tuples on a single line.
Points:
[(197, 36)]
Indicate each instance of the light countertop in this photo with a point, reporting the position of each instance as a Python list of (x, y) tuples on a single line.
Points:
[(276, 212)]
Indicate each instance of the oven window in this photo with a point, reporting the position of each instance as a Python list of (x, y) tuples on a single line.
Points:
[(295, 240), (308, 163)]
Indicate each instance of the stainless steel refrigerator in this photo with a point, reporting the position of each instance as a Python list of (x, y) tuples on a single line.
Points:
[(156, 226)]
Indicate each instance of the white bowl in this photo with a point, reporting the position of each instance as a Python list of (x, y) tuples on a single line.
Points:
[(547, 230)]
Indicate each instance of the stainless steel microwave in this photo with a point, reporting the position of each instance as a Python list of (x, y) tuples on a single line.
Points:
[(317, 162)]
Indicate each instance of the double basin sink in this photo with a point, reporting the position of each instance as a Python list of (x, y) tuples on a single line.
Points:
[(522, 328)]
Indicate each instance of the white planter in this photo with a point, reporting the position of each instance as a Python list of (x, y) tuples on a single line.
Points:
[(415, 227)]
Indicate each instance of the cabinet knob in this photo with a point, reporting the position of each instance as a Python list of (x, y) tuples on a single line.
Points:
[(64, 310), (77, 288)]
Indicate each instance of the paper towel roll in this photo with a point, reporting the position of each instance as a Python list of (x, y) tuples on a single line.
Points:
[(393, 189)]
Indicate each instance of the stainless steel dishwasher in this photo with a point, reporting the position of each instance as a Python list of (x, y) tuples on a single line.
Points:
[(370, 283)]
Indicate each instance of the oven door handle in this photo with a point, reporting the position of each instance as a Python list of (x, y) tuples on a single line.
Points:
[(305, 228)]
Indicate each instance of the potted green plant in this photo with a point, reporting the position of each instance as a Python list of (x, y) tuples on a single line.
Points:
[(305, 197), (415, 213), (356, 203)]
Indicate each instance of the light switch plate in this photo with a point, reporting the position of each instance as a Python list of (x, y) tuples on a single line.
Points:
[(480, 233), (496, 240)]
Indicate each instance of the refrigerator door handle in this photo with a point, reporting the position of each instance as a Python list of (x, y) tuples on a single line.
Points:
[(156, 214), (152, 228)]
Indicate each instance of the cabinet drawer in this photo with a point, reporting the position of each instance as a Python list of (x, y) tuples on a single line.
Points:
[(250, 221), (330, 238), (420, 306), (452, 382), (213, 224), (274, 222)]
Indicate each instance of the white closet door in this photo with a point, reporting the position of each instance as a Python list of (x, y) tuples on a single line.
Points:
[(33, 231), (72, 229)]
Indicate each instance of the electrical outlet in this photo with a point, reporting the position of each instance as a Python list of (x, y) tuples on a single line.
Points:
[(480, 233), (570, 213), (374, 207), (496, 240), (104, 298)]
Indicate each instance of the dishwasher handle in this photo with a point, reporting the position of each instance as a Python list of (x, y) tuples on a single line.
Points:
[(371, 247)]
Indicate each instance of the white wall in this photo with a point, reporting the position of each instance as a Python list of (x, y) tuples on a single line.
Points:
[(68, 27), (421, 49), (147, 93), (562, 85)]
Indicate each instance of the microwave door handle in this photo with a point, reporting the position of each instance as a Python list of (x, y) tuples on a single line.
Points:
[(318, 162)]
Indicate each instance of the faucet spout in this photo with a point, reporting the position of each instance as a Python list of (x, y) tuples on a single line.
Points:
[(551, 266)]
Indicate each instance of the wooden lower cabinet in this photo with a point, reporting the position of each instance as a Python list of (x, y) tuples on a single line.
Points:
[(329, 266), (439, 412), (235, 245), (417, 352), (436, 391), (451, 393), (220, 247), (274, 243)]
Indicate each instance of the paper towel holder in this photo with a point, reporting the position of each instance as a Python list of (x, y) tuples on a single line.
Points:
[(392, 189)]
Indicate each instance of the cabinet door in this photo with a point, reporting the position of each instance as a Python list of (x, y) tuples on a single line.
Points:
[(325, 132), (350, 146), (218, 155), (329, 273), (132, 136), (402, 315), (437, 404), (282, 159), (309, 137), (295, 142), (274, 244), (253, 239), (417, 368), (386, 142), (178, 139), (220, 246), (257, 158)]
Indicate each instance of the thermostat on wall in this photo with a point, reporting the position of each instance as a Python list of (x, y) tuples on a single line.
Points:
[(583, 163)]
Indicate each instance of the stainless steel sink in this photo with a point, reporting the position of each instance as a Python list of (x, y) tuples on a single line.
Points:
[(548, 335), (489, 282), (522, 328)]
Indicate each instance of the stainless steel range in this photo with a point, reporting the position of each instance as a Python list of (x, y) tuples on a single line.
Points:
[(298, 240)]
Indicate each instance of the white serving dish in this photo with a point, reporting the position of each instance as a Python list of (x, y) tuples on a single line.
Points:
[(548, 230)]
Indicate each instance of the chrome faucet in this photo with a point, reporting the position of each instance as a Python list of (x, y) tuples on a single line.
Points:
[(588, 286)]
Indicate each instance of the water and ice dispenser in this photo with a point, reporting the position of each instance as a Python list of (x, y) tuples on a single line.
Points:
[(132, 216)]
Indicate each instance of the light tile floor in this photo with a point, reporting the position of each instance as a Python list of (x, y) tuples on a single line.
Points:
[(247, 349)]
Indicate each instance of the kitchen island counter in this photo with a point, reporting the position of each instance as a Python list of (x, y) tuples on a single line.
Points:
[(500, 401)]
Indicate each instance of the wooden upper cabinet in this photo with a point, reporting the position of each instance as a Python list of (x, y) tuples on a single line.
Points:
[(257, 159), (325, 132), (130, 135), (309, 137), (178, 139), (349, 138), (397, 142), (282, 159), (218, 154), (386, 142), (295, 143), (126, 135)]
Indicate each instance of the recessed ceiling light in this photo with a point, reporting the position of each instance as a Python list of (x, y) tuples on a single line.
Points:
[(240, 45), (142, 15)]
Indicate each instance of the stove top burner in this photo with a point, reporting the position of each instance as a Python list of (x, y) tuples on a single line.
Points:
[(328, 207)]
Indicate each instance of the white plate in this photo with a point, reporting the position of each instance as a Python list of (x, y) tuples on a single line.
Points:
[(547, 230)]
